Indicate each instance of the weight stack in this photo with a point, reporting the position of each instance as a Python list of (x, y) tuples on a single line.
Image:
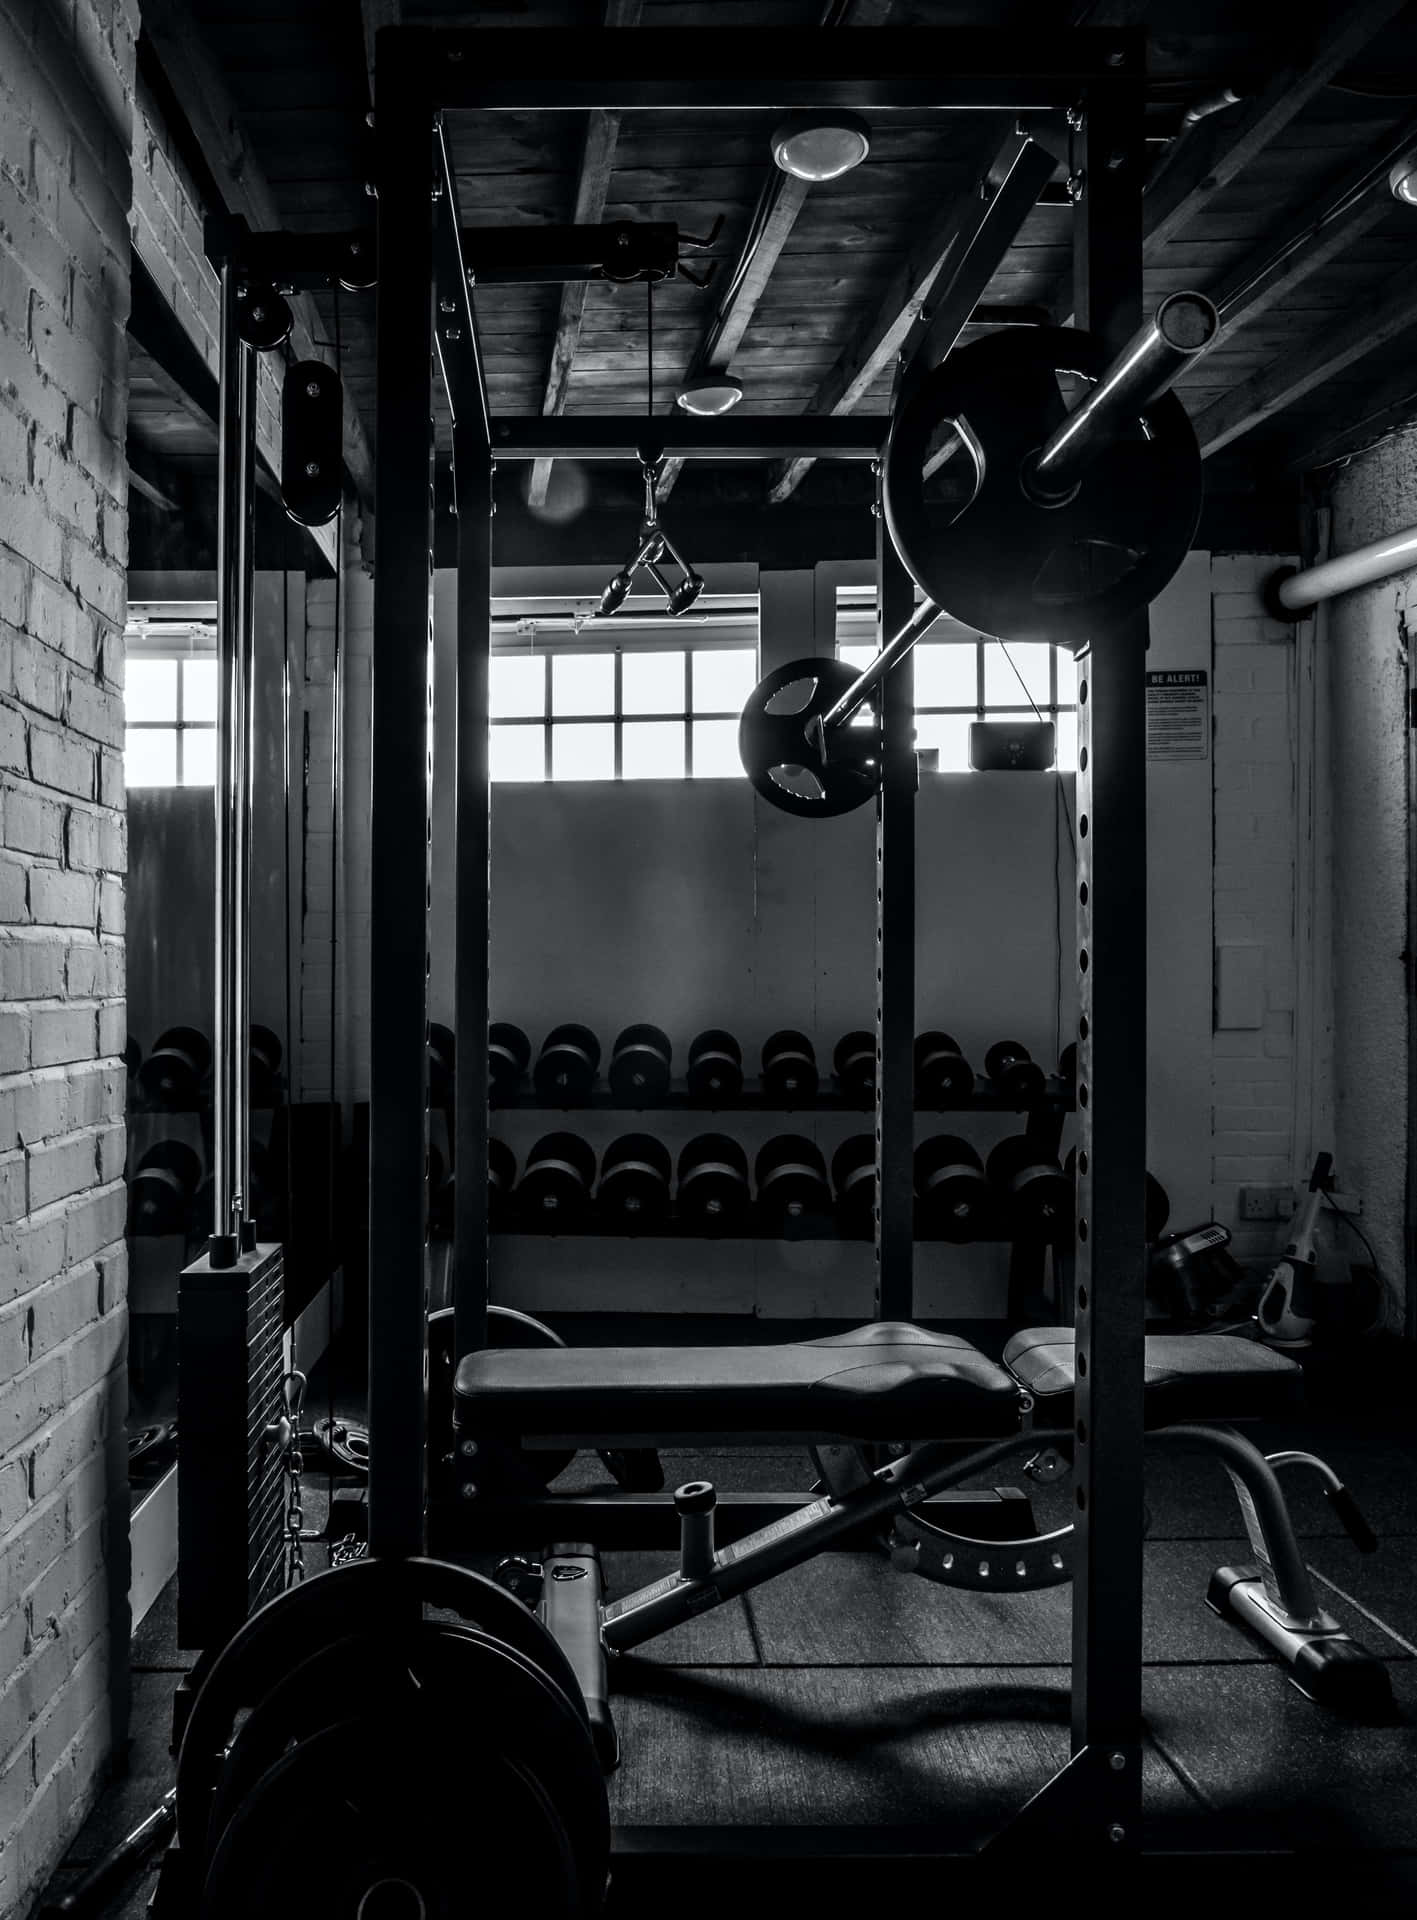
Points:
[(230, 1477)]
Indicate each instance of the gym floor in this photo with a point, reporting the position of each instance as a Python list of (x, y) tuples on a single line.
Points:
[(847, 1695)]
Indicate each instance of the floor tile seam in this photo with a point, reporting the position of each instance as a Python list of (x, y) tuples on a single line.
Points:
[(1367, 1612), (1239, 1659)]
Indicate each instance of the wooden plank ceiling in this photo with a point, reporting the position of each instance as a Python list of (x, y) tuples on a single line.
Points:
[(1287, 387)]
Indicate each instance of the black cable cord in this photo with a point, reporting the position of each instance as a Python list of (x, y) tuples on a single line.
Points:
[(1347, 1218)]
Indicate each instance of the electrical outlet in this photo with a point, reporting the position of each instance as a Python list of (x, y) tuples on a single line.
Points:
[(1266, 1203)]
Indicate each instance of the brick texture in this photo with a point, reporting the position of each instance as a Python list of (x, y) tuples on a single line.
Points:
[(66, 137)]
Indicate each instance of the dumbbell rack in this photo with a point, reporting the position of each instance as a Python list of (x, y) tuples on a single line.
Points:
[(986, 1098)]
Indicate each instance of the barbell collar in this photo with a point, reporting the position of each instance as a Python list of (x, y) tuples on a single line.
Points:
[(1184, 326)]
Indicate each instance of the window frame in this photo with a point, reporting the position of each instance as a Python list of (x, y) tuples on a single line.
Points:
[(183, 640)]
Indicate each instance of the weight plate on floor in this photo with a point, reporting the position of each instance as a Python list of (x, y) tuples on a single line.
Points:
[(786, 764), (388, 1819), (361, 1596)]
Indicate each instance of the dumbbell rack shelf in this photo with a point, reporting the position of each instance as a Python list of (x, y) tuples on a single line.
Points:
[(987, 1098), (676, 1230)]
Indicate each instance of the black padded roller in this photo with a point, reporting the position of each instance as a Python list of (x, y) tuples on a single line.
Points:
[(793, 1189), (854, 1064), (1035, 1193), (715, 1067), (854, 1178), (641, 1062), (943, 1077), (508, 1056), (714, 1196), (162, 1190), (789, 1068), (556, 1182), (568, 1066), (265, 1058), (1015, 1073), (635, 1172), (953, 1198), (173, 1072)]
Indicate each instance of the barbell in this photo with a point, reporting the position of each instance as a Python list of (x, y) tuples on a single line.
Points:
[(1036, 491)]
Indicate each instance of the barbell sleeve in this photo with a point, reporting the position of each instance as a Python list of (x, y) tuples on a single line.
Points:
[(889, 657), (1184, 326)]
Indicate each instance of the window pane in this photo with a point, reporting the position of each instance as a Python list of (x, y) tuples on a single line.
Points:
[(582, 683), (652, 683), (199, 690), (723, 678), (150, 690), (151, 757), (946, 676), (584, 752), (857, 657), (518, 753), (716, 750), (653, 750), (1067, 725), (1067, 677), (199, 756), (1001, 683), (518, 686), (949, 732)]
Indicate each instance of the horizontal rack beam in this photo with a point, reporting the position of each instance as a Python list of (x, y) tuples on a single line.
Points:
[(986, 1098), (766, 436)]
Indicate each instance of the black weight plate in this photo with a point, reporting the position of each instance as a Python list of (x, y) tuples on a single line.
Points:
[(404, 1827), (371, 1595), (508, 1697), (775, 746), (1062, 575), (506, 1327)]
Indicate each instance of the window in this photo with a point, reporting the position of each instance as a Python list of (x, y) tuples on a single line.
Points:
[(963, 680), (566, 704), (170, 698)]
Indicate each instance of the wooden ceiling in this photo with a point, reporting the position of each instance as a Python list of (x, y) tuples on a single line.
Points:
[(1315, 365)]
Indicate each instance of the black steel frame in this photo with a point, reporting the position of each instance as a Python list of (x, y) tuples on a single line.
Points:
[(423, 301)]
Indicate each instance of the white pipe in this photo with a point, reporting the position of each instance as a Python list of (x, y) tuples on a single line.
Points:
[(1348, 570)]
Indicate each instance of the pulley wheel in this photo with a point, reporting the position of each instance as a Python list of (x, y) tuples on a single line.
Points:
[(408, 1824), (373, 1596), (982, 547), (786, 764)]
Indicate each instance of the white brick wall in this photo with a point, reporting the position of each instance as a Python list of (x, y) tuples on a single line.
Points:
[(66, 79)]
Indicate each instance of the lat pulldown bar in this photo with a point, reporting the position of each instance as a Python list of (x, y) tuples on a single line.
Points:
[(1183, 326)]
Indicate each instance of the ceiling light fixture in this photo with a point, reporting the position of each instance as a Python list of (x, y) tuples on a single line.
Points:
[(711, 393), (1403, 180), (821, 146)]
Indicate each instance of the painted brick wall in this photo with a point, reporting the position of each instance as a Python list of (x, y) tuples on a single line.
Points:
[(66, 81)]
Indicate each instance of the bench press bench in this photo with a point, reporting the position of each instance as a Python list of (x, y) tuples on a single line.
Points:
[(950, 1414)]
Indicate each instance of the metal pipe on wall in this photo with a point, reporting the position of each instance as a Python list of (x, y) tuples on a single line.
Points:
[(1296, 591)]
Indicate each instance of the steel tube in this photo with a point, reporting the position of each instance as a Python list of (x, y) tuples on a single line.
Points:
[(241, 778), (1380, 558), (889, 657), (1183, 327)]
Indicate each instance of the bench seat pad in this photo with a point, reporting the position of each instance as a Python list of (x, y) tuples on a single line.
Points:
[(889, 1380), (1207, 1376)]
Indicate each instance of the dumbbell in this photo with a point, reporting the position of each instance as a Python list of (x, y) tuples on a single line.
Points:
[(854, 1064), (953, 1197), (1015, 1073), (854, 1178), (714, 1196), (1158, 1201), (641, 1062), (440, 1195), (265, 1058), (715, 1067), (1037, 1195), (556, 1181), (943, 1077), (443, 1192), (789, 1068), (567, 1067), (173, 1072), (508, 1056), (635, 1172), (132, 1055), (442, 1064), (162, 1190), (793, 1189)]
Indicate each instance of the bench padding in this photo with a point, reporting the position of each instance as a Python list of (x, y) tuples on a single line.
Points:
[(885, 1381), (1204, 1376)]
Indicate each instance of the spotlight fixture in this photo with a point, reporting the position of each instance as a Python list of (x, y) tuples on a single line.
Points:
[(711, 393), (653, 546), (1402, 181), (821, 146)]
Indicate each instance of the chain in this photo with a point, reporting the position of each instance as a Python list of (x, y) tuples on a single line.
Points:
[(293, 1389)]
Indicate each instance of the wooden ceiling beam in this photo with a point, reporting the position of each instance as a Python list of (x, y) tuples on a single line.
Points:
[(1385, 405), (1205, 160), (592, 190), (1295, 374), (195, 79)]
